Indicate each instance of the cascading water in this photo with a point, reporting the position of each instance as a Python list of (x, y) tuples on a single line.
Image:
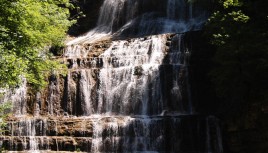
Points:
[(122, 88), (140, 18), (122, 96), (17, 97)]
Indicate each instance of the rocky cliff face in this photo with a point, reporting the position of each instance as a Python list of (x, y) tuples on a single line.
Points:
[(126, 90), (118, 96)]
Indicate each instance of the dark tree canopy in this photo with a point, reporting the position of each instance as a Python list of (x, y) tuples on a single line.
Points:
[(239, 30)]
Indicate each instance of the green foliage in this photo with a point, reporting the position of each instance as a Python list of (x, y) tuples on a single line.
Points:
[(5, 109), (27, 29), (239, 30), (230, 3)]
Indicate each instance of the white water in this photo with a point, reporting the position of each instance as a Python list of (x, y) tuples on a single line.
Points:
[(109, 13), (180, 17), (126, 134), (118, 78), (129, 84), (17, 96), (142, 77), (116, 16), (86, 86)]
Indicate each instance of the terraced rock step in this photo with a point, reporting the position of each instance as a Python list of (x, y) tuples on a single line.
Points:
[(56, 143), (111, 133), (125, 89), (43, 126)]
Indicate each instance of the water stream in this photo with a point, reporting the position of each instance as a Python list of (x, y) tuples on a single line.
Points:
[(133, 97)]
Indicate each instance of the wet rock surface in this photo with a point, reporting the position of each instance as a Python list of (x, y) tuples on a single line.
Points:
[(126, 90), (86, 111)]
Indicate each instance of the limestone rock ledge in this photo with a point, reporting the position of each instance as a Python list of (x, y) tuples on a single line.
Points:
[(58, 119)]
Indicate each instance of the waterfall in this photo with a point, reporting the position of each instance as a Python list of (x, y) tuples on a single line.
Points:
[(126, 90), (109, 13), (119, 79), (18, 97), (176, 9), (131, 18)]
